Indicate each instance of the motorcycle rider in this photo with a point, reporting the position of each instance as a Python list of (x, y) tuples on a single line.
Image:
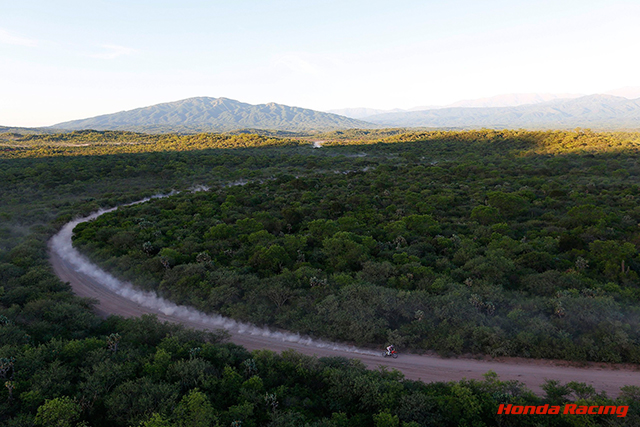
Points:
[(390, 349)]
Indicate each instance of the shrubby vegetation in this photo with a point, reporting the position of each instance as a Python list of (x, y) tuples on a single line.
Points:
[(494, 251), (90, 142), (61, 365)]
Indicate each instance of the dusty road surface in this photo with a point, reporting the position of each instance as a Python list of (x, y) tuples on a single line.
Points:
[(116, 297)]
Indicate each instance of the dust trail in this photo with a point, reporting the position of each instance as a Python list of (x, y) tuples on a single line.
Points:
[(61, 244), (199, 187), (236, 183)]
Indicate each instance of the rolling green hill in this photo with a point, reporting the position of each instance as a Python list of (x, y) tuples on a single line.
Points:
[(205, 114)]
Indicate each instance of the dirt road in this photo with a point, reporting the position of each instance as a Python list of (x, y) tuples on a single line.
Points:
[(116, 297)]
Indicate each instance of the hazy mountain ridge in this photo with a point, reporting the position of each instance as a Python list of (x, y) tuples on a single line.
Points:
[(597, 111), (362, 112), (504, 100), (629, 92), (512, 100), (206, 114)]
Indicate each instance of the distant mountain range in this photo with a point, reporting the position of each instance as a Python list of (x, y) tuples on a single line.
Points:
[(526, 111), (594, 111), (508, 100), (215, 115), (362, 112)]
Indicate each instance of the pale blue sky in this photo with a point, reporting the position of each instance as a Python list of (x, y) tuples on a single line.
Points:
[(63, 60)]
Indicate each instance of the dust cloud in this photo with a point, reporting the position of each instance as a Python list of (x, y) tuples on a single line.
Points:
[(61, 244)]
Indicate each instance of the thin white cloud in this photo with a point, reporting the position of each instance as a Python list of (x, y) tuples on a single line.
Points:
[(114, 51), (8, 38), (297, 63)]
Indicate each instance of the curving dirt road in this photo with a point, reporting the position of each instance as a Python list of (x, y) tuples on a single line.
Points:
[(116, 297)]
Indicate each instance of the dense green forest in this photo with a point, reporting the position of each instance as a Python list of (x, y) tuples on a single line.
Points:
[(486, 251), (61, 365)]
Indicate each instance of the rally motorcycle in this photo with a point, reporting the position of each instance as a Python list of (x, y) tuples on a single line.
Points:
[(393, 354)]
